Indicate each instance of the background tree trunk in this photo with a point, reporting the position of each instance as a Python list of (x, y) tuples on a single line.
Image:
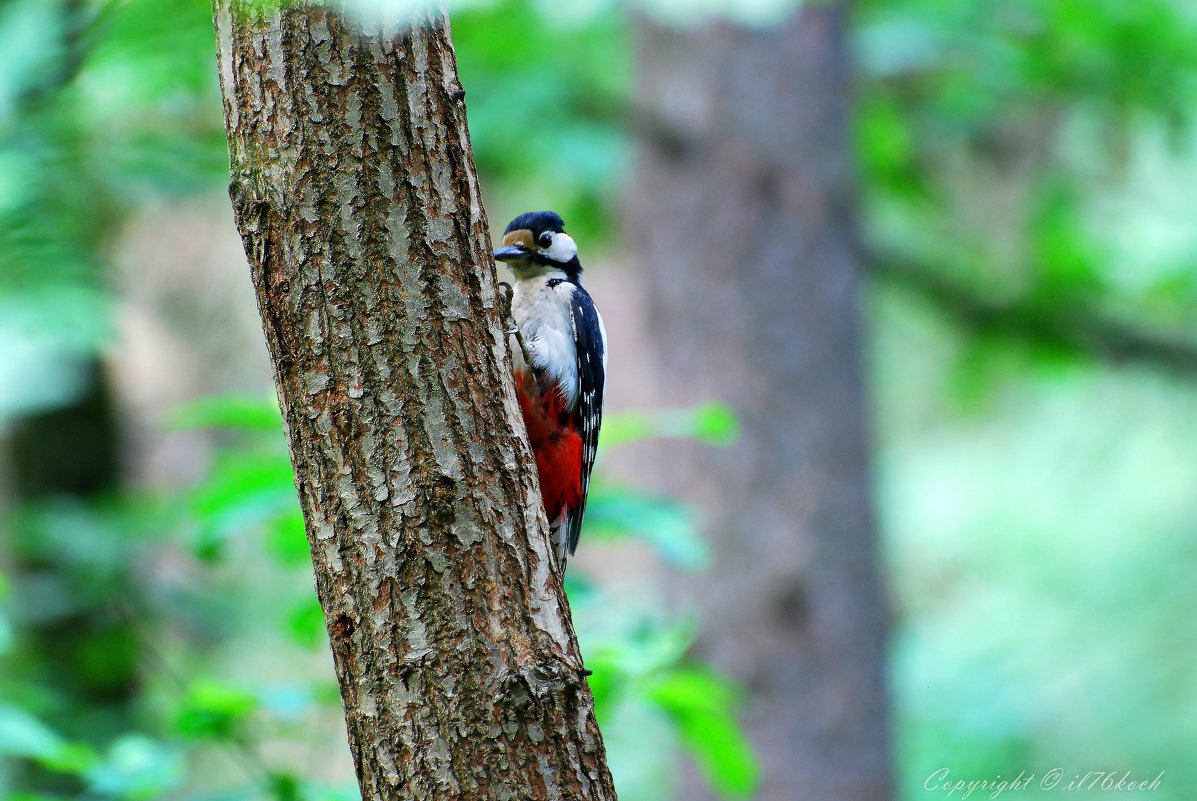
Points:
[(67, 460), (354, 188), (744, 219)]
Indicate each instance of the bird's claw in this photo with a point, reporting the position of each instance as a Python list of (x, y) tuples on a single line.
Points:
[(508, 294)]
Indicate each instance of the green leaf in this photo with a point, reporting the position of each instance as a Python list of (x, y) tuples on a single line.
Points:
[(305, 624), (605, 681), (228, 411), (213, 711), (701, 705), (136, 768), (246, 481), (23, 735), (642, 748), (581, 589), (1066, 255), (713, 422), (667, 526), (639, 646), (288, 540), (244, 492), (285, 787)]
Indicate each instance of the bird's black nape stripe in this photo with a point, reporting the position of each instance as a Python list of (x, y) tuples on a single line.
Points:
[(571, 268)]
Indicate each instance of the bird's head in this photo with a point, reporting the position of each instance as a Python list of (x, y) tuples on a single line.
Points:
[(536, 243)]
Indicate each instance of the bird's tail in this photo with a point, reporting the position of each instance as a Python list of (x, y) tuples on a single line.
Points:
[(559, 537)]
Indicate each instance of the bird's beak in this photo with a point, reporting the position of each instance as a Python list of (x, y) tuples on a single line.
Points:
[(511, 253)]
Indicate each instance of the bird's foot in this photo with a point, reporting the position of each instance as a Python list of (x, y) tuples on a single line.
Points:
[(508, 318)]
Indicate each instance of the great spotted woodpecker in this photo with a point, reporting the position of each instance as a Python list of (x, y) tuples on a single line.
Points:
[(560, 366)]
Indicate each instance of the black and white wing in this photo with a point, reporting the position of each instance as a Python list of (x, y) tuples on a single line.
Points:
[(590, 348)]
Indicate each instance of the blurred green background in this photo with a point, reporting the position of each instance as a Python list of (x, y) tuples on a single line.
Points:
[(1024, 171)]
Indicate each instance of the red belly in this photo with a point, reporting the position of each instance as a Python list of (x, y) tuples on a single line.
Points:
[(557, 445)]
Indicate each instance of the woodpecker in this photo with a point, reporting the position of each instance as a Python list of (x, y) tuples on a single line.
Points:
[(560, 366)]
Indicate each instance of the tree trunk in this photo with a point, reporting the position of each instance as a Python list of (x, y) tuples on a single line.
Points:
[(744, 219), (354, 189)]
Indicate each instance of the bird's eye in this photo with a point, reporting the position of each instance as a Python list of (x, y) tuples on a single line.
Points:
[(545, 239)]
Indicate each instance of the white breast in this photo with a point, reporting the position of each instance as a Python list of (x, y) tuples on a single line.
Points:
[(543, 316)]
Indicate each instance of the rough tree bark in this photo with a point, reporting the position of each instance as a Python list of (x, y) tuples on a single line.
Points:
[(744, 220), (354, 189)]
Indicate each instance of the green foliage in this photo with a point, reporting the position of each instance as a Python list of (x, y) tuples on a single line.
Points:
[(1046, 598), (713, 422), (102, 105), (245, 490), (136, 768), (228, 411), (998, 136), (544, 93), (639, 663), (133, 768), (702, 705), (243, 522), (22, 735), (670, 528), (108, 106), (215, 711), (1032, 151), (641, 674)]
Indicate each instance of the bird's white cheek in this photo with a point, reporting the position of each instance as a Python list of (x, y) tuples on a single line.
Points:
[(563, 248)]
